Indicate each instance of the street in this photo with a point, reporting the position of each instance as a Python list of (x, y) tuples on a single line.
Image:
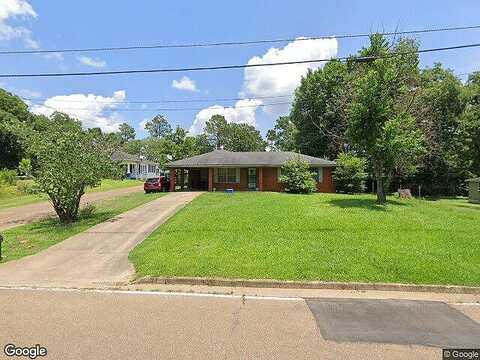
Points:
[(96, 324)]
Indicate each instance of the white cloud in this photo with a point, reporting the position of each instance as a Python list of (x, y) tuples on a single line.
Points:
[(282, 80), (88, 108), (54, 56), (141, 124), (185, 83), (27, 93), (10, 9), (242, 112), (92, 62)]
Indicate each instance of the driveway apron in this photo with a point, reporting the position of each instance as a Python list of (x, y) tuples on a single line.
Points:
[(98, 256)]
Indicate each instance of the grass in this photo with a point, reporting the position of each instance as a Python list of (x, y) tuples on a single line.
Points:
[(32, 238), (317, 237), (11, 196)]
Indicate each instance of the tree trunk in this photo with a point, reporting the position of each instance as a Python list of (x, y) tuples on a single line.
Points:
[(378, 168)]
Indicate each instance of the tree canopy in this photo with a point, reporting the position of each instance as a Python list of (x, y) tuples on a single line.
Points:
[(69, 160)]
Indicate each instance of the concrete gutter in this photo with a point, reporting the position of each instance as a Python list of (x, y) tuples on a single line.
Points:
[(448, 289)]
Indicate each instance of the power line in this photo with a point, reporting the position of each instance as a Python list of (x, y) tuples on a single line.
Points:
[(234, 43), (161, 101), (167, 109), (39, 100), (242, 66)]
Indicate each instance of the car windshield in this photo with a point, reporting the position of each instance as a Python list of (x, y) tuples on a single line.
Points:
[(152, 180)]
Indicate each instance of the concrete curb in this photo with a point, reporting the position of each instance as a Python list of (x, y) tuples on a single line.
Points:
[(448, 289)]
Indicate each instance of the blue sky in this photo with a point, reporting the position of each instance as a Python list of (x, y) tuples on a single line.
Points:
[(63, 24)]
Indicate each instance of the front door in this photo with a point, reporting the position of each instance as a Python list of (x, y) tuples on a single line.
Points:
[(252, 179)]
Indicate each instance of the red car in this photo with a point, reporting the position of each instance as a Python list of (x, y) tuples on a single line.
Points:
[(161, 183)]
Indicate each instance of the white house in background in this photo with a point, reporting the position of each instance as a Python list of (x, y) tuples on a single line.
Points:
[(136, 167)]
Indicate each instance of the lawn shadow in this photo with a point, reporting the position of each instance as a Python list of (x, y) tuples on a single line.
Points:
[(471, 206), (369, 204)]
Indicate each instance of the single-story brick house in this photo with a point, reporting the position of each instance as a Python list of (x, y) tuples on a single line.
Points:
[(474, 190), (220, 169)]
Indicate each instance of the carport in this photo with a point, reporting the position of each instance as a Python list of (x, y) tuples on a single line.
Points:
[(190, 178)]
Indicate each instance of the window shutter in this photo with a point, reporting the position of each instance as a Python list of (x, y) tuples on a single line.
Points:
[(215, 175), (320, 174), (237, 175)]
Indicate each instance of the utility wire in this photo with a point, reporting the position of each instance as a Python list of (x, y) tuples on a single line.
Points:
[(242, 66), (40, 100), (235, 43), (166, 109), (161, 101)]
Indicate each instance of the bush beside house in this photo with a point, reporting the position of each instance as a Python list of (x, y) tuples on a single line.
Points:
[(350, 174), (297, 177)]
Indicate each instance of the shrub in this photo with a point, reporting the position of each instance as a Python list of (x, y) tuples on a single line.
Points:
[(349, 174), (297, 177), (25, 167), (8, 177), (28, 187), (87, 211)]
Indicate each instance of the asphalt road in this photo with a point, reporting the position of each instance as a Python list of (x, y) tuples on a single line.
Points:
[(97, 256), (15, 216), (140, 325)]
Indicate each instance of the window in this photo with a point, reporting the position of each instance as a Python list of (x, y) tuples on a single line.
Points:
[(318, 174), (279, 173), (227, 175)]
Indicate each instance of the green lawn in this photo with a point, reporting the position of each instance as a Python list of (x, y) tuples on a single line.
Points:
[(317, 237), (10, 196), (32, 238)]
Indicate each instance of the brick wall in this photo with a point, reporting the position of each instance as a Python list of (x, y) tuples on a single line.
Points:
[(270, 181)]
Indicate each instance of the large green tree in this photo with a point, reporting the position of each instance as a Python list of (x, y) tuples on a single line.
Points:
[(215, 129), (243, 137), (158, 127), (126, 132), (379, 123), (14, 114), (437, 108), (69, 160), (233, 136), (319, 110), (283, 137), (470, 125)]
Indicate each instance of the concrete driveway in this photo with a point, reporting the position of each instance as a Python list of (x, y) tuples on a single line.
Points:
[(26, 214), (98, 256)]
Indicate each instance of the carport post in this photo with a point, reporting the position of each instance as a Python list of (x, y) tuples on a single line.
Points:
[(260, 179), (173, 175), (210, 179)]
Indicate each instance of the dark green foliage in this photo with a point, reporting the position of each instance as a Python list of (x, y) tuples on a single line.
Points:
[(233, 136), (319, 111), (350, 173), (69, 160), (126, 132), (283, 137), (7, 177), (13, 113), (379, 124), (158, 127), (438, 107), (297, 177)]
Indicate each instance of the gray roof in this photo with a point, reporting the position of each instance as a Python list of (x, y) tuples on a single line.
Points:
[(126, 157), (223, 158), (474, 180)]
